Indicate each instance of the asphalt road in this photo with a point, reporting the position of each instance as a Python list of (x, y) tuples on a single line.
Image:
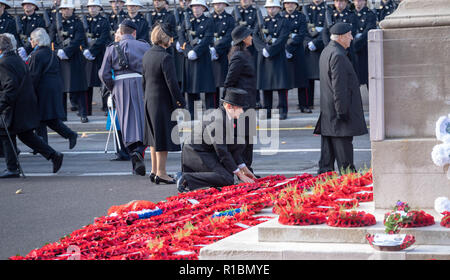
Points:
[(53, 205)]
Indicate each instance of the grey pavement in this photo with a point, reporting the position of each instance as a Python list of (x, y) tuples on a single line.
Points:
[(53, 205)]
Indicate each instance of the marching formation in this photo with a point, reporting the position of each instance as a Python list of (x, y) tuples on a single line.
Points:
[(68, 53)]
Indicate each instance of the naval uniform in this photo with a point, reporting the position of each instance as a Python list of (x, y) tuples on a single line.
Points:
[(142, 27)]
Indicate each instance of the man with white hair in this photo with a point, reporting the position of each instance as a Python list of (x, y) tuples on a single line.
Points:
[(341, 112)]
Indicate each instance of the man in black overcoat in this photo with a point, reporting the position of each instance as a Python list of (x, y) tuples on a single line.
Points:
[(341, 112), (19, 111), (216, 158)]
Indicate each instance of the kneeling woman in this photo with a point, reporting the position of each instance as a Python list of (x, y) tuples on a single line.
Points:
[(162, 96)]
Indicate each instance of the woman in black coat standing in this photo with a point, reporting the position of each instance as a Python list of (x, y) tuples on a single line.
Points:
[(162, 96), (242, 74), (48, 85)]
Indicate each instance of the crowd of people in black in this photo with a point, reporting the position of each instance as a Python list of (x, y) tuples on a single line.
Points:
[(176, 55)]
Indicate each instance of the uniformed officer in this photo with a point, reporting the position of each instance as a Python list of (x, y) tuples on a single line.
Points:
[(245, 14), (315, 17), (272, 71), (179, 55), (72, 61), (98, 36), (30, 21), (195, 37), (51, 11), (117, 14), (133, 7), (366, 20), (295, 52), (162, 15), (7, 22), (223, 25), (386, 8)]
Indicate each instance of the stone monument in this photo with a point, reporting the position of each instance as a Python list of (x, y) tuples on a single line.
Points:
[(409, 76)]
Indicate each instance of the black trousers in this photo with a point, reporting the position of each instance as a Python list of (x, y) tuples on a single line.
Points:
[(310, 94), (31, 140), (303, 98), (77, 99), (199, 175), (338, 149), (282, 100), (210, 99), (56, 125)]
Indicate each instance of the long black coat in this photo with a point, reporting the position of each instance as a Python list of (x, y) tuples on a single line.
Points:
[(99, 28), (223, 25), (47, 83), (214, 149), (18, 102), (142, 27), (339, 94), (386, 9), (297, 63), (162, 96), (198, 75), (242, 74), (366, 20), (272, 72), (8, 25), (179, 56), (29, 23), (73, 69)]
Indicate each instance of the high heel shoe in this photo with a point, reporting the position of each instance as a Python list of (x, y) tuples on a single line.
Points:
[(152, 177), (161, 180)]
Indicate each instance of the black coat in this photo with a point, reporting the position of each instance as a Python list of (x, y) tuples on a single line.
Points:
[(213, 151), (142, 27), (99, 32), (223, 25), (47, 83), (198, 76), (29, 23), (315, 18), (115, 20), (386, 9), (73, 69), (179, 56), (366, 20), (8, 25), (247, 17), (162, 96), (297, 63), (242, 74), (339, 95), (164, 16), (272, 72), (18, 102)]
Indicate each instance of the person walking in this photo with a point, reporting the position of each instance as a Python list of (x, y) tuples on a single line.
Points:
[(48, 86), (19, 111), (341, 111), (162, 96), (121, 72)]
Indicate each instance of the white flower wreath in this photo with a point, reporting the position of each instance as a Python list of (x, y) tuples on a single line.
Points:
[(441, 153), (443, 129)]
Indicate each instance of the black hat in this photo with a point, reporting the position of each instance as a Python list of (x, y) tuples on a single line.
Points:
[(239, 33), (236, 97), (166, 29), (340, 28), (129, 23)]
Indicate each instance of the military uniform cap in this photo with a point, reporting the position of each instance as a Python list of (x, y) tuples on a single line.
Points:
[(94, 3), (33, 2), (67, 4), (220, 1), (340, 28), (133, 3), (198, 2), (272, 3), (4, 2), (129, 23)]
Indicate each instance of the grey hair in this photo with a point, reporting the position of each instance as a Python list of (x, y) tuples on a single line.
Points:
[(334, 37), (13, 40), (41, 37), (5, 44)]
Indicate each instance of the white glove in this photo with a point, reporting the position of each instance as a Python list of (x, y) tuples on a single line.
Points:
[(265, 53), (62, 55), (288, 54), (22, 53), (319, 29), (213, 52), (311, 46), (192, 55), (357, 36), (88, 55), (178, 47)]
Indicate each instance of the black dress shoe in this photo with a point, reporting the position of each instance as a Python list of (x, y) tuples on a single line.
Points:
[(306, 110), (152, 177), (283, 116), (10, 174), (73, 140), (138, 164), (84, 120), (159, 180), (182, 185), (57, 160)]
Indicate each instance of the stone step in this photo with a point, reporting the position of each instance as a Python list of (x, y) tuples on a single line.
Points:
[(245, 245)]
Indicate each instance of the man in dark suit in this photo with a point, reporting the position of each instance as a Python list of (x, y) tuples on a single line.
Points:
[(217, 158), (19, 111), (341, 112)]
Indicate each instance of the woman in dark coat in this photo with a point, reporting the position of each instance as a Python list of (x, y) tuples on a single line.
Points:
[(162, 96), (242, 75), (48, 86)]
